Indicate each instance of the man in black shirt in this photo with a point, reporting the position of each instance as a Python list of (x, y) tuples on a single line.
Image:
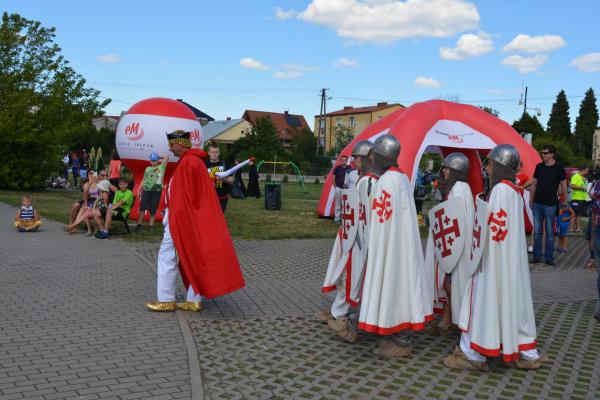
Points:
[(214, 165), (547, 178)]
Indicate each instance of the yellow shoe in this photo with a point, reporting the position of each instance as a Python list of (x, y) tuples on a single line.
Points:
[(162, 306), (195, 306)]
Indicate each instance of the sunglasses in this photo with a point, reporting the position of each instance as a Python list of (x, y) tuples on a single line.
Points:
[(544, 152)]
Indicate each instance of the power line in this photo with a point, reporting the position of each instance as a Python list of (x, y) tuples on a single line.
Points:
[(207, 89)]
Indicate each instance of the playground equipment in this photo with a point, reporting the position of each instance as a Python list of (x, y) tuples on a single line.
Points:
[(290, 164)]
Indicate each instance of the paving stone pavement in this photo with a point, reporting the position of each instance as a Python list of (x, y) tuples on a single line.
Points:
[(73, 324), (263, 341)]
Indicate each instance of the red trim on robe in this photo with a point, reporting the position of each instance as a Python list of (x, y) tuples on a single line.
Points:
[(327, 289), (438, 311), (348, 268), (397, 169), (498, 352), (394, 329)]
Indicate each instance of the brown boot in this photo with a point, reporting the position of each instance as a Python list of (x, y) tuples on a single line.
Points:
[(324, 315), (348, 335), (337, 325), (388, 348), (533, 364), (458, 360)]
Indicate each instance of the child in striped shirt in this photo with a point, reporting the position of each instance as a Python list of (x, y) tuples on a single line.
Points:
[(27, 218)]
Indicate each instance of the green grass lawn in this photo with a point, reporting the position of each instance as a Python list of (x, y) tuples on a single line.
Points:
[(246, 219)]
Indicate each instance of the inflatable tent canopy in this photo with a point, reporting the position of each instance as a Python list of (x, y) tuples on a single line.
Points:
[(443, 127)]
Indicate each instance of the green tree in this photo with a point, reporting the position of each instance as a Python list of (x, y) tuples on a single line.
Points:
[(559, 124), (304, 146), (585, 124), (490, 110), (44, 103), (343, 135), (529, 124), (261, 142)]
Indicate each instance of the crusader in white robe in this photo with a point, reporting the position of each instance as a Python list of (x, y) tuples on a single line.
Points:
[(497, 317), (348, 257), (394, 287), (450, 269)]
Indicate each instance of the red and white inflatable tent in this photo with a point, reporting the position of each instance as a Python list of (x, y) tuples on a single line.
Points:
[(439, 126)]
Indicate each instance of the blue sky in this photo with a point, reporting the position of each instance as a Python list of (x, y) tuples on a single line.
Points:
[(227, 56)]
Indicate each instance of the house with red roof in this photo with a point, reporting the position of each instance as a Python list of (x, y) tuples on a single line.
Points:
[(285, 123)]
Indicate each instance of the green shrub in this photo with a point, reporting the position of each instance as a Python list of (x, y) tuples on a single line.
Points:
[(285, 179), (317, 181)]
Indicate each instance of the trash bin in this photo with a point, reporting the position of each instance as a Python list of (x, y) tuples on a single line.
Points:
[(272, 196)]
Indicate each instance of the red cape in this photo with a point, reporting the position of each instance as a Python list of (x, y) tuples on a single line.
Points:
[(207, 258)]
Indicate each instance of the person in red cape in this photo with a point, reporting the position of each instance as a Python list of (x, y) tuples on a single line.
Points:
[(195, 235)]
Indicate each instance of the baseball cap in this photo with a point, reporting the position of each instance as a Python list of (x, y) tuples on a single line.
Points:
[(154, 157)]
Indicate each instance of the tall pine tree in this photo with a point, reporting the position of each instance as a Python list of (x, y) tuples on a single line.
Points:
[(529, 124), (586, 123), (559, 124)]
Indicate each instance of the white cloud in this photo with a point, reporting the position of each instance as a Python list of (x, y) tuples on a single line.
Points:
[(587, 62), (282, 15), (534, 44), (525, 65), (422, 81), (288, 74), (468, 46), (384, 21), (346, 63), (109, 58), (251, 63), (299, 67)]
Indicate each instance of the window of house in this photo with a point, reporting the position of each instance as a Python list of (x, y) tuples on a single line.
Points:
[(322, 123), (338, 121), (352, 122)]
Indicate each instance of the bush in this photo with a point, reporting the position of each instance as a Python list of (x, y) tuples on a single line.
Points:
[(317, 181), (285, 179), (268, 178)]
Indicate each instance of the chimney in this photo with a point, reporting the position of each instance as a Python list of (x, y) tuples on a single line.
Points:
[(180, 100), (383, 103), (348, 107), (285, 114), (228, 118)]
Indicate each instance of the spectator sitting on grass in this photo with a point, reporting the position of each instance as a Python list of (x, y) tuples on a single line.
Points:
[(120, 208), (27, 218)]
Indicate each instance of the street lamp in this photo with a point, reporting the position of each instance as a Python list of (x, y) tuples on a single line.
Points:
[(537, 110)]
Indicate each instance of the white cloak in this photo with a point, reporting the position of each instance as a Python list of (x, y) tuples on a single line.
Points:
[(497, 308), (394, 286), (462, 272), (351, 264)]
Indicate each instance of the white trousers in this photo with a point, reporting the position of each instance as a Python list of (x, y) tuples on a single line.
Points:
[(340, 307), (465, 346), (338, 202), (168, 270)]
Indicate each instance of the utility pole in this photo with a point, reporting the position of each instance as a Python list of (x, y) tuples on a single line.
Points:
[(525, 101), (321, 132)]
